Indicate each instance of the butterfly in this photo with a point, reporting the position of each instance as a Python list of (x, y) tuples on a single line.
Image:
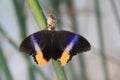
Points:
[(50, 44)]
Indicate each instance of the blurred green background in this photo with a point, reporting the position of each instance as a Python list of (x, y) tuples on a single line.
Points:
[(96, 20)]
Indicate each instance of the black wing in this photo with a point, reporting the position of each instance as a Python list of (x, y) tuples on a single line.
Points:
[(42, 39), (80, 43)]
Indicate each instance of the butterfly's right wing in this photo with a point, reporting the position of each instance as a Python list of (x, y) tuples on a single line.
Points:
[(71, 44)]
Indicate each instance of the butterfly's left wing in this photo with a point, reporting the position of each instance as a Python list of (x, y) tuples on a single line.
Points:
[(36, 45), (71, 44)]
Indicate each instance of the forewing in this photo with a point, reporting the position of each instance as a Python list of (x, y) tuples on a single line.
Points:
[(35, 44), (72, 43)]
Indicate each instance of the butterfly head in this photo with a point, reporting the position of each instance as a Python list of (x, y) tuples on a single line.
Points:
[(51, 22)]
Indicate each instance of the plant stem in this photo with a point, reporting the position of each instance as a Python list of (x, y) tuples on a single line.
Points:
[(83, 67), (31, 73), (40, 19), (19, 8), (37, 13), (116, 13), (101, 41), (59, 70)]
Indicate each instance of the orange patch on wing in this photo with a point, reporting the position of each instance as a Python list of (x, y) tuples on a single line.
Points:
[(41, 61), (64, 58)]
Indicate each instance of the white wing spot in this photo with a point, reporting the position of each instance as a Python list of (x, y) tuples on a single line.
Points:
[(70, 46), (37, 48)]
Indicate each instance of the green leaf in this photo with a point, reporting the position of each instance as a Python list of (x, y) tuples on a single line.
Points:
[(4, 66)]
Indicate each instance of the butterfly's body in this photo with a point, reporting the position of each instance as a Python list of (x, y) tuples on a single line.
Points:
[(59, 45)]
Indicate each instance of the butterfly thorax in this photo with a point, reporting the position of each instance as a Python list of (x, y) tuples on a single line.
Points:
[(51, 23)]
